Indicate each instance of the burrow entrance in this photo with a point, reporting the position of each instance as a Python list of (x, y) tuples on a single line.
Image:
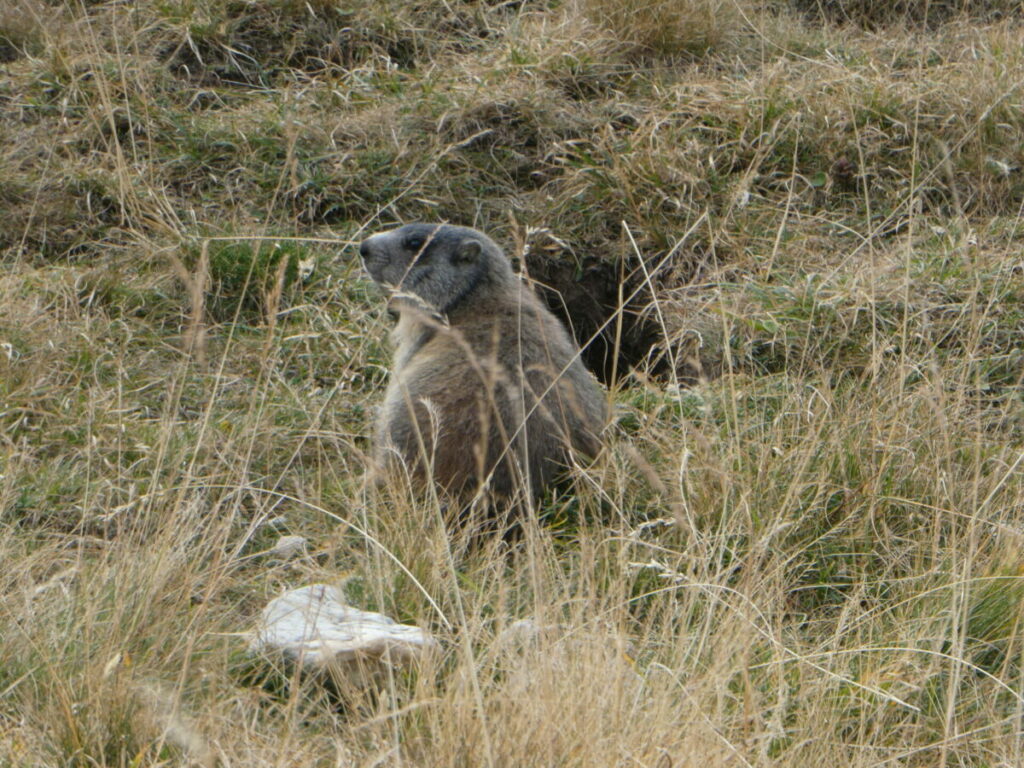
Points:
[(584, 292)]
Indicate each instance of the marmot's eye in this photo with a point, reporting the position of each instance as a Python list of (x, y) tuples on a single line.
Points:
[(414, 242)]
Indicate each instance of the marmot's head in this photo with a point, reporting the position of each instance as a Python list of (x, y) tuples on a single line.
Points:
[(445, 265)]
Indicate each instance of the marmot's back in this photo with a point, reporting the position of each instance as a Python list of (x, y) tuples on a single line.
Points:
[(486, 382)]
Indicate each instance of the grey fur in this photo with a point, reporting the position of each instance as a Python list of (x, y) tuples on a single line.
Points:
[(477, 356)]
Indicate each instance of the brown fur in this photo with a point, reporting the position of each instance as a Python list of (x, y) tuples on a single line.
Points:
[(487, 386)]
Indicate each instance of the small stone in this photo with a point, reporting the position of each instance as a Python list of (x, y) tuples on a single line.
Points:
[(289, 546), (521, 632), (1000, 167), (313, 627)]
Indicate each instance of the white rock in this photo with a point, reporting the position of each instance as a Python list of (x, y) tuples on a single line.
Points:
[(314, 627)]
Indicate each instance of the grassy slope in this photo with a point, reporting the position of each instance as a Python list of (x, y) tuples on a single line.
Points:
[(836, 578)]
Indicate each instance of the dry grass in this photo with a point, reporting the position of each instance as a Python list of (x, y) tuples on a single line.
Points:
[(876, 13), (667, 27), (802, 545)]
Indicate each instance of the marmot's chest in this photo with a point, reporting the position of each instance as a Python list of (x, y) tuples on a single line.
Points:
[(428, 342), (410, 342)]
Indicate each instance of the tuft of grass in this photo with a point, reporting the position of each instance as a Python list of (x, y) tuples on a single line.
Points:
[(668, 27), (24, 27)]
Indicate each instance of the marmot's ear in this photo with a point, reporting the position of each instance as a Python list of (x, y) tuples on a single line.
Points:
[(468, 251)]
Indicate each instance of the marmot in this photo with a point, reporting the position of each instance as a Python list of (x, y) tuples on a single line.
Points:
[(487, 388)]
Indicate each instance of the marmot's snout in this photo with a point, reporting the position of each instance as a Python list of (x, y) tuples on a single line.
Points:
[(371, 253), (377, 259)]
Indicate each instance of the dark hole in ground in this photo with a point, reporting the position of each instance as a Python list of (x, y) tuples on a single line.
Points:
[(585, 297), (8, 51)]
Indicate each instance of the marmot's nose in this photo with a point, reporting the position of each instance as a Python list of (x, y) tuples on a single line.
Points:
[(364, 249)]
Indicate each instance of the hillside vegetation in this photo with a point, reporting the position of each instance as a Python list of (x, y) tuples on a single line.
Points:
[(792, 230)]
